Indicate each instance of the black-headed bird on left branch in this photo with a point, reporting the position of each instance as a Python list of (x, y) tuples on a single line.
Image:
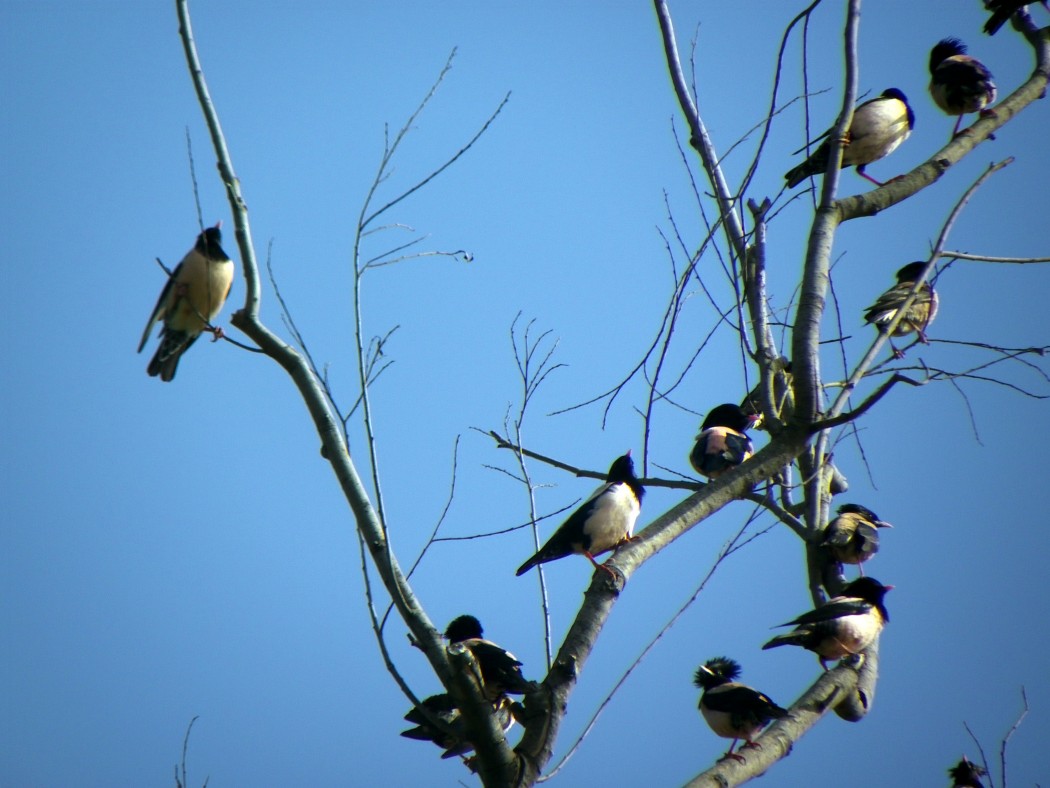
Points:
[(959, 84), (192, 297), (603, 522), (845, 625), (733, 710)]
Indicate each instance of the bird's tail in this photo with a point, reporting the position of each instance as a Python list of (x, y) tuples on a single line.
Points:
[(796, 638), (1001, 14), (166, 360), (419, 733), (460, 749), (814, 165), (796, 175), (774, 711), (534, 561)]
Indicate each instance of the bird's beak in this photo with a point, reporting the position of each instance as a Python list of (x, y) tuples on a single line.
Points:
[(218, 225), (754, 420), (883, 524)]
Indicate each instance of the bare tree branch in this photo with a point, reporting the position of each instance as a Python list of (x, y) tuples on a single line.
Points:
[(776, 741), (793, 457), (983, 258), (698, 136), (1009, 735), (883, 335), (180, 770), (736, 543), (328, 425)]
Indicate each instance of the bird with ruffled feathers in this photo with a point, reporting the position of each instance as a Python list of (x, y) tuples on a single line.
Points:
[(966, 774), (959, 84), (731, 709)]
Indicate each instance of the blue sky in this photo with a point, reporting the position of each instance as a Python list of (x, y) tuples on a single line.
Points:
[(179, 550)]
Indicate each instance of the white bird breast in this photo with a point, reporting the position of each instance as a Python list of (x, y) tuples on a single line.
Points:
[(720, 722), (614, 512), (877, 129), (856, 632)]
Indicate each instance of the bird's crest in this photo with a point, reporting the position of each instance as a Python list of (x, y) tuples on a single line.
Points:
[(946, 48), (463, 628), (720, 670)]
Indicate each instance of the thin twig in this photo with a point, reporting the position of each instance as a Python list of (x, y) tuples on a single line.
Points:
[(193, 180), (984, 258), (1009, 734), (862, 367)]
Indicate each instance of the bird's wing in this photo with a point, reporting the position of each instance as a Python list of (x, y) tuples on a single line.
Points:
[(163, 305), (837, 608), (498, 666), (868, 539), (963, 70), (734, 699), (887, 303), (439, 705), (813, 141), (839, 536), (609, 514)]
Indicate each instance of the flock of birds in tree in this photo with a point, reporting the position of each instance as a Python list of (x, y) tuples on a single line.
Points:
[(196, 291), (959, 85)]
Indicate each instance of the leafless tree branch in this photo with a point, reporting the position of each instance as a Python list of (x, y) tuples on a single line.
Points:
[(736, 543), (494, 770), (827, 693), (984, 258)]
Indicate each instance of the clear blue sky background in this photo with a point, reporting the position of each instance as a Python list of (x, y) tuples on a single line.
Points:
[(179, 550)]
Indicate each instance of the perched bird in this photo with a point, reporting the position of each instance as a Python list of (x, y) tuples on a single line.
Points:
[(853, 536), (733, 710), (191, 298), (452, 738), (878, 127), (722, 443), (966, 774), (919, 315), (1002, 10), (500, 670), (602, 522), (959, 84), (846, 625)]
